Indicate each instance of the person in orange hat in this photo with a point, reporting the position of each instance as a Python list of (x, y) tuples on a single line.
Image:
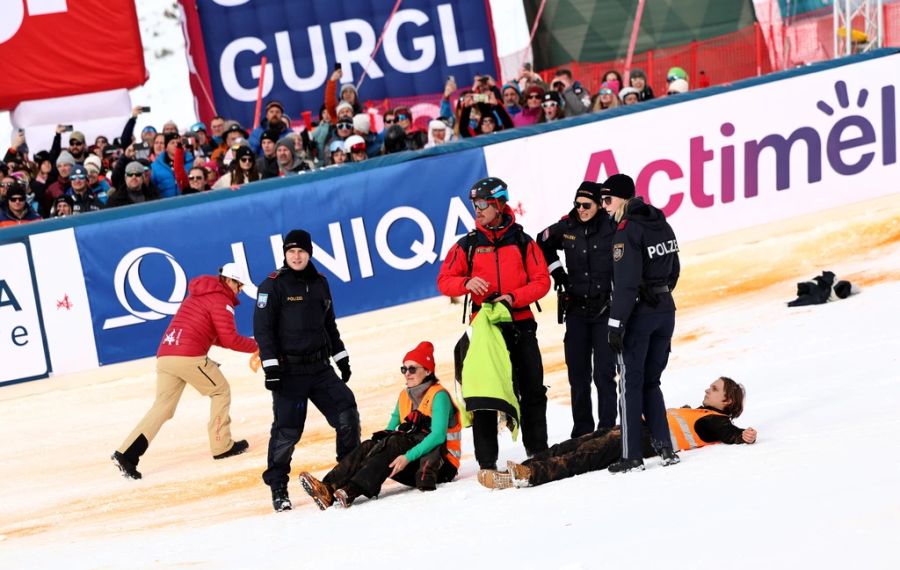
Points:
[(420, 447)]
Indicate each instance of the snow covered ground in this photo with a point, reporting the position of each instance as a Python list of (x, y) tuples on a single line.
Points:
[(818, 490)]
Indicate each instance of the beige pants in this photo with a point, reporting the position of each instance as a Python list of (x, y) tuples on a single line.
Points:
[(172, 374)]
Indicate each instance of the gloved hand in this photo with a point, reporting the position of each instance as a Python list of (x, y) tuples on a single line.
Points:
[(344, 366), (560, 279), (615, 339), (273, 377)]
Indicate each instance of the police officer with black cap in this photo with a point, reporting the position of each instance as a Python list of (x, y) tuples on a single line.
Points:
[(585, 235), (295, 328), (642, 318)]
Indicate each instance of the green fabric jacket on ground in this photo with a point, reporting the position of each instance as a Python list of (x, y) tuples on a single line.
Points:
[(440, 410), (487, 371)]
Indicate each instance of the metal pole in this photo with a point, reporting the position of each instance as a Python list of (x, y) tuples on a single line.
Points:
[(635, 29), (259, 91)]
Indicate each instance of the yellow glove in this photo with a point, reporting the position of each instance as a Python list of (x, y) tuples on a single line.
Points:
[(255, 362)]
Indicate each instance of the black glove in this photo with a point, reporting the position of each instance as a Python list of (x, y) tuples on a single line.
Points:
[(560, 279), (344, 366), (615, 339), (273, 377)]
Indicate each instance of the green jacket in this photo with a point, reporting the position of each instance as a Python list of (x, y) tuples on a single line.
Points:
[(487, 371)]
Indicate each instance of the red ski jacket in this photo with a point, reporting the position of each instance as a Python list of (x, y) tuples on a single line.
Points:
[(204, 319), (498, 259)]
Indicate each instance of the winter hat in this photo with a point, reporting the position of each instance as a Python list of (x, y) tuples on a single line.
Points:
[(423, 354), (336, 146), (352, 141), (93, 162), (78, 170), (678, 86), (64, 198), (350, 87), (169, 137), (394, 139), (76, 136), (628, 91), (437, 124), (638, 73), (618, 185), (274, 104), (241, 152), (288, 143), (234, 127), (65, 157), (269, 135), (362, 123), (676, 73), (41, 156), (512, 86), (134, 167), (343, 105), (590, 190), (298, 238), (16, 189), (148, 129), (534, 89), (196, 127), (552, 96)]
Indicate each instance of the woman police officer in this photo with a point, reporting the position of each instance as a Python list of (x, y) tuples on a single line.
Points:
[(641, 318), (586, 236)]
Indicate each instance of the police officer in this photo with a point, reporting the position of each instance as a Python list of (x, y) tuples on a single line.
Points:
[(585, 235), (499, 262), (642, 317), (296, 331)]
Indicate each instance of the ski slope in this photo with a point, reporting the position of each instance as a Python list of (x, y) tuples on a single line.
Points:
[(819, 489)]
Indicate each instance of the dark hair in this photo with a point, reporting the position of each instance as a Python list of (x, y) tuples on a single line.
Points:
[(564, 71), (614, 72), (734, 394)]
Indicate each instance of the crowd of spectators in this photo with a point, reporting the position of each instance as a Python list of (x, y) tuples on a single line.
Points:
[(162, 164)]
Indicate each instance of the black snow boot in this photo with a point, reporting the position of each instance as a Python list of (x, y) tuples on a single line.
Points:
[(128, 469), (237, 448), (668, 457), (625, 465), (280, 499)]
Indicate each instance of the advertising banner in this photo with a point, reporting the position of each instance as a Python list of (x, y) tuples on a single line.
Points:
[(728, 161), (379, 235), (23, 351), (54, 48), (425, 41)]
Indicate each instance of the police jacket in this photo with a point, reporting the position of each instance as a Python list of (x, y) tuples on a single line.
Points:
[(645, 263), (294, 318), (506, 257), (588, 248)]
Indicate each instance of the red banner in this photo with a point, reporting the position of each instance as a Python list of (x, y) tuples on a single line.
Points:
[(55, 48)]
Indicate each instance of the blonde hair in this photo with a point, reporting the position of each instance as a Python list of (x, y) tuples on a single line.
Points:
[(620, 211)]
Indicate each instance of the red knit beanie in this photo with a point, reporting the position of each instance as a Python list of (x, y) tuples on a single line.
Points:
[(423, 354)]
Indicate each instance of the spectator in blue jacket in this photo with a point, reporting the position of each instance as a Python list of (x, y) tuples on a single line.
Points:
[(274, 122), (163, 168)]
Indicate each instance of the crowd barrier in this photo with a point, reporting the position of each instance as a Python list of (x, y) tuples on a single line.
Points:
[(96, 289)]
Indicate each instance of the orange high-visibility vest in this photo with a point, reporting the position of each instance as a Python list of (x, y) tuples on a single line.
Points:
[(682, 422), (454, 426)]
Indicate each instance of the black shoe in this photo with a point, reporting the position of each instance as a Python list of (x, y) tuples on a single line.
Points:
[(237, 448), (625, 465), (280, 500), (128, 469), (668, 457)]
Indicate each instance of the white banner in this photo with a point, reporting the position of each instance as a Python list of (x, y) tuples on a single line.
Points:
[(729, 161), (22, 351)]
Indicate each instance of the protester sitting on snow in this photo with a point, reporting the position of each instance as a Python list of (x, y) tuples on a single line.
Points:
[(689, 427), (420, 447)]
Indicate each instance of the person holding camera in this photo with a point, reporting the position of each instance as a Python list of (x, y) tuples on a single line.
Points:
[(420, 447), (577, 98), (295, 327), (586, 236), (488, 110), (170, 168)]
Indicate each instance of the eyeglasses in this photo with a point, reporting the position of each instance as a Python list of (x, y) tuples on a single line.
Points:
[(345, 125), (535, 96), (606, 200), (76, 177), (672, 78), (410, 369), (583, 205), (134, 174), (196, 178), (548, 104), (402, 117), (390, 121), (17, 199), (606, 91), (76, 143), (482, 204), (246, 159)]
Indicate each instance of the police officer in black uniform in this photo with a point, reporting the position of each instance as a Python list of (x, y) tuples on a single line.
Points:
[(642, 318), (296, 331), (585, 235)]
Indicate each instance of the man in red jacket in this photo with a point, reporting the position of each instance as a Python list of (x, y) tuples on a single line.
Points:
[(205, 318), (499, 262)]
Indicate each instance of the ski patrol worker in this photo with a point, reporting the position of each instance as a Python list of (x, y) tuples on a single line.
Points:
[(585, 235), (642, 317), (295, 328), (498, 262)]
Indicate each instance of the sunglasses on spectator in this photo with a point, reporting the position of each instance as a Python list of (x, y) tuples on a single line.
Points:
[(246, 159), (76, 143), (77, 177), (402, 117), (345, 125), (17, 199), (410, 369), (583, 205), (535, 96), (606, 91), (390, 121), (482, 204), (134, 174), (606, 200), (548, 104), (196, 178)]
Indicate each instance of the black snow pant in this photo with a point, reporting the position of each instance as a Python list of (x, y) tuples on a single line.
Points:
[(367, 467), (589, 357), (528, 382), (316, 383), (576, 456), (647, 343)]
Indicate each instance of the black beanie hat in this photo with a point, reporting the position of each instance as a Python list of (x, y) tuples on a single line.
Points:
[(298, 238), (169, 137), (618, 185), (591, 190)]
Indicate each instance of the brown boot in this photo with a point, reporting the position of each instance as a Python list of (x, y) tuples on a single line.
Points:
[(319, 491), (493, 479), (521, 474)]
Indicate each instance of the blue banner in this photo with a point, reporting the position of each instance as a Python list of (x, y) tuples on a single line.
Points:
[(426, 41), (379, 236)]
